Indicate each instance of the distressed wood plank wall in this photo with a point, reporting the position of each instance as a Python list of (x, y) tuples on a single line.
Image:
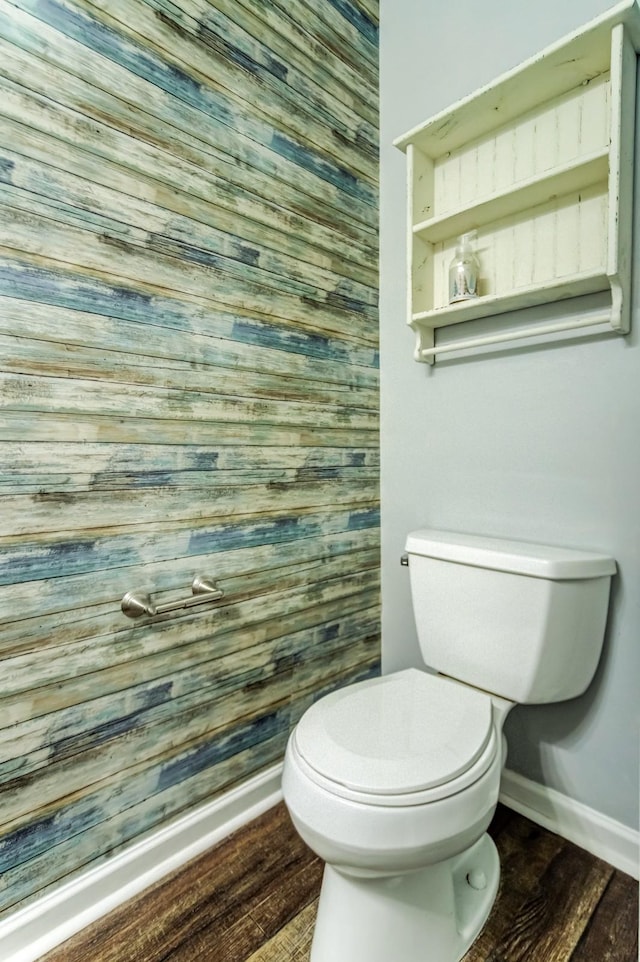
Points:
[(188, 381)]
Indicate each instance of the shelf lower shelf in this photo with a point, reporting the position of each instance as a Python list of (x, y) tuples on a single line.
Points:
[(561, 289), (427, 323)]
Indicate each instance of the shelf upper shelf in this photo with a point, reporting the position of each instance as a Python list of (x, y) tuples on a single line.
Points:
[(522, 196)]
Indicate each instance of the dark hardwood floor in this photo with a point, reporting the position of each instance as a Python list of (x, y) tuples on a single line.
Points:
[(253, 899)]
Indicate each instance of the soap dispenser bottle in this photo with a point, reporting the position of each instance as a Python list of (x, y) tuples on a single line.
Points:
[(463, 272)]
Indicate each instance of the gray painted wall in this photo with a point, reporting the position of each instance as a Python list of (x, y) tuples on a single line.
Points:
[(539, 444)]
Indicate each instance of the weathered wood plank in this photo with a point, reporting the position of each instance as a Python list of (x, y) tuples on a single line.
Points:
[(80, 427), (38, 558), (65, 734), (34, 358), (45, 872), (291, 47), (365, 14), (87, 788), (252, 53), (93, 467), (31, 514), (57, 287), (371, 8), (352, 38), (264, 616), (47, 394), (202, 196), (238, 570), (299, 42), (178, 645), (45, 344)]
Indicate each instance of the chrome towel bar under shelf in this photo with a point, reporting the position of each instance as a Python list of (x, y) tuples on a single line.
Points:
[(204, 590)]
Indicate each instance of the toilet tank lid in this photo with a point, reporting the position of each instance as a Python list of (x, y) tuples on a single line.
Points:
[(519, 557)]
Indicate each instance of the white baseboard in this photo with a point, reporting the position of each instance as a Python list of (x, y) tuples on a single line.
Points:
[(27, 934), (598, 834)]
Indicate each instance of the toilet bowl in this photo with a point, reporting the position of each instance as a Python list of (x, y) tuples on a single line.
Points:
[(393, 781), (399, 816)]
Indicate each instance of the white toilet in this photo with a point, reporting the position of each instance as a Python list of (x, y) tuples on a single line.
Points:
[(393, 781)]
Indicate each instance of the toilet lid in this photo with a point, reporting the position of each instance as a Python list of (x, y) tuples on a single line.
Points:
[(404, 732)]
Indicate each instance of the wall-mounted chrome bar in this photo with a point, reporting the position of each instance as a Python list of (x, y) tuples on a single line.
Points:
[(204, 590), (570, 325)]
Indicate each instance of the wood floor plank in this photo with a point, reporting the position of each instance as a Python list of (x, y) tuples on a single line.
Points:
[(525, 853), (293, 942), (551, 920), (612, 932), (289, 898), (233, 943)]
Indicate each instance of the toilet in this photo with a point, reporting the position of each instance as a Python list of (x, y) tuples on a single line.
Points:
[(393, 781)]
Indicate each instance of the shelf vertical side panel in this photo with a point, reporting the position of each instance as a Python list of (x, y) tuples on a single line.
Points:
[(422, 292), (420, 201), (623, 104)]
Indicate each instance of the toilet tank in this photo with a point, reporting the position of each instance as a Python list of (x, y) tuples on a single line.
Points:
[(520, 620)]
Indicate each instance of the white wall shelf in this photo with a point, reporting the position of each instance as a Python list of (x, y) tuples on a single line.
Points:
[(540, 164)]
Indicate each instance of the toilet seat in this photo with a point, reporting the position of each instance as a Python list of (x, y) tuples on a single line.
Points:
[(407, 738)]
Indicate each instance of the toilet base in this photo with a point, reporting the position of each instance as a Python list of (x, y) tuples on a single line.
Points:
[(432, 914)]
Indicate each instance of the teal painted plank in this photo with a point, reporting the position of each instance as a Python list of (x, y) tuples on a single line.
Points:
[(49, 622), (33, 559), (113, 298)]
